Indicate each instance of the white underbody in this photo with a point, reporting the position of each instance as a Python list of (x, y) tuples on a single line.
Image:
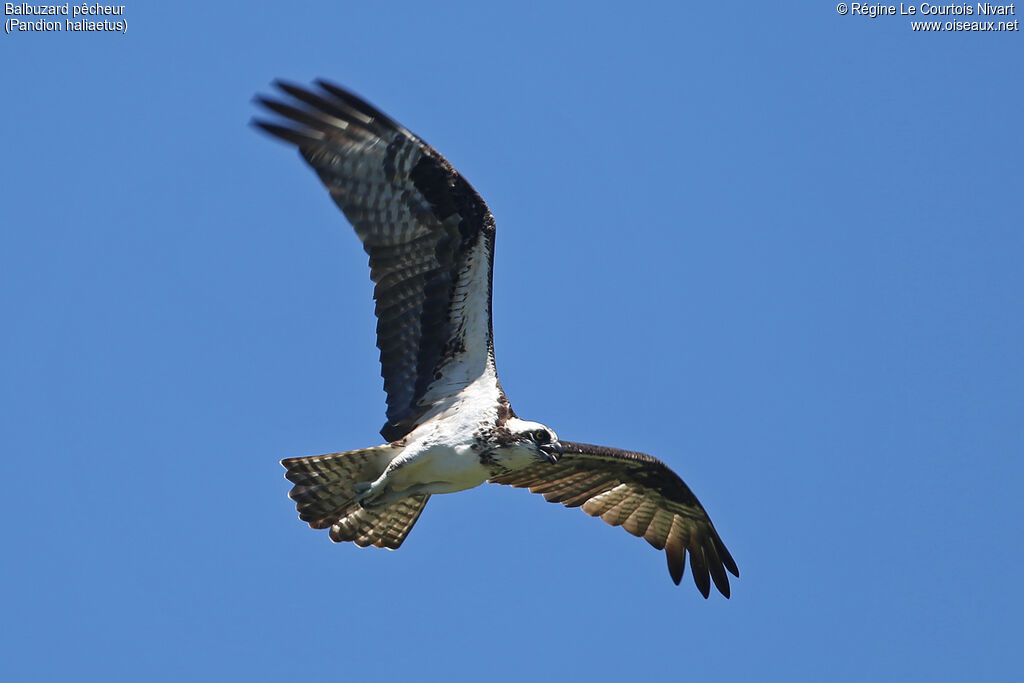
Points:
[(443, 454)]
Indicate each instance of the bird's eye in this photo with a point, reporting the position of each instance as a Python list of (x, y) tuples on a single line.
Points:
[(542, 436)]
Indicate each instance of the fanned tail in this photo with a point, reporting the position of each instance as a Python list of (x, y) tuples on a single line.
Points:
[(384, 527), (325, 497)]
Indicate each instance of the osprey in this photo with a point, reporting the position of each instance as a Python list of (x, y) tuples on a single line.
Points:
[(450, 427)]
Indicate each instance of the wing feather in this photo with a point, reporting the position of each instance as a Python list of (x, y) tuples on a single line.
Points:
[(597, 485), (675, 553), (621, 511), (716, 567), (429, 235), (699, 569), (607, 501), (640, 519), (661, 526), (555, 491), (645, 497)]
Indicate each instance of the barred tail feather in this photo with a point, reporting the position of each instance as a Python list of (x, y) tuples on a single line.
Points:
[(384, 527), (324, 496)]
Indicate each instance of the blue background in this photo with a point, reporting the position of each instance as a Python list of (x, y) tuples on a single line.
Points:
[(779, 248)]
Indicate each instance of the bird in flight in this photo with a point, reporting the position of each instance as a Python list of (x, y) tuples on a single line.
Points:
[(450, 426)]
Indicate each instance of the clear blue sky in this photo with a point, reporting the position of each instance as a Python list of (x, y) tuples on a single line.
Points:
[(779, 248)]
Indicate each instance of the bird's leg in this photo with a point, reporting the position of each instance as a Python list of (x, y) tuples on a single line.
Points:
[(379, 493), (371, 494)]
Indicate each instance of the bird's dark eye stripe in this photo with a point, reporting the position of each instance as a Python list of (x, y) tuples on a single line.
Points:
[(541, 436)]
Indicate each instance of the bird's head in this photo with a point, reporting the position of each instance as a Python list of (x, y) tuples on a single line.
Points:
[(540, 439)]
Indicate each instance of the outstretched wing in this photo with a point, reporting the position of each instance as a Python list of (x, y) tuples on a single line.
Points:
[(429, 235), (643, 496)]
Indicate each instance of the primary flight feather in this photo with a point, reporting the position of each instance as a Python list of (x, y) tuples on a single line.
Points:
[(450, 426)]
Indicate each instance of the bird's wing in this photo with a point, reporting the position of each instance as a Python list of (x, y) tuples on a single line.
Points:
[(643, 496), (429, 235)]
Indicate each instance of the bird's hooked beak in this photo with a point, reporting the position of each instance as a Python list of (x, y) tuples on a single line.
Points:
[(552, 450)]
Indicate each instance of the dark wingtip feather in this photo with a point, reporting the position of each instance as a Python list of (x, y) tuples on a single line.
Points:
[(347, 96), (676, 566), (699, 569), (312, 99), (356, 102), (265, 102), (341, 105), (293, 89), (284, 85), (291, 135), (306, 118), (721, 580), (718, 574), (726, 557)]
